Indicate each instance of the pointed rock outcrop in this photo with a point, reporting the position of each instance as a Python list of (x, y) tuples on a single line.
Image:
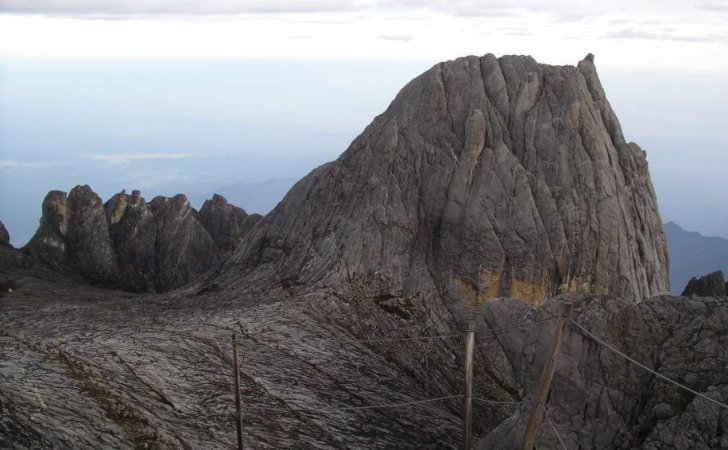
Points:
[(49, 242), (130, 244)]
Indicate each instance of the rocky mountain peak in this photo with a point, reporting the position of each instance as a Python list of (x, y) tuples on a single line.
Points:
[(484, 177)]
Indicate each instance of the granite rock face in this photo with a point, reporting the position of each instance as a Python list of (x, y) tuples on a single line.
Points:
[(130, 244), (711, 285), (484, 177)]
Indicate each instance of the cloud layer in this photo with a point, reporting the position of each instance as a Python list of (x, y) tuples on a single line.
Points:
[(566, 9), (623, 33), (146, 7), (126, 158)]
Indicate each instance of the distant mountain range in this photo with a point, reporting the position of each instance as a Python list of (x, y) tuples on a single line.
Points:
[(693, 255)]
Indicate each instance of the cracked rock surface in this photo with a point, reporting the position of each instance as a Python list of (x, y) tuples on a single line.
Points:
[(90, 368), (600, 400)]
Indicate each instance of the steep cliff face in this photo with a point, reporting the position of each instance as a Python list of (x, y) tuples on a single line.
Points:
[(130, 244), (484, 177)]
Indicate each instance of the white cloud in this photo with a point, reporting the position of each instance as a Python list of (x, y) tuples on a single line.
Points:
[(666, 35), (397, 37), (677, 36), (146, 7), (8, 164), (715, 6), (126, 158)]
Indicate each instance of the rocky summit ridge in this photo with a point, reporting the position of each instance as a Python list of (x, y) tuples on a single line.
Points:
[(131, 244)]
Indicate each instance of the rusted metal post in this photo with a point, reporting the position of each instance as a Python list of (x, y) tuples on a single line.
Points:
[(238, 408), (468, 400), (547, 375)]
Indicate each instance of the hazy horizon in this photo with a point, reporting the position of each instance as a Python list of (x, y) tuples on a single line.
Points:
[(174, 97), (165, 127)]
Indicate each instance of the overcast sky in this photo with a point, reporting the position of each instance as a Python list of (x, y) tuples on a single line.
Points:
[(134, 93), (628, 34)]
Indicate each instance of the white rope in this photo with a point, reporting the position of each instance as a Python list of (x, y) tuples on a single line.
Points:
[(553, 427), (657, 374)]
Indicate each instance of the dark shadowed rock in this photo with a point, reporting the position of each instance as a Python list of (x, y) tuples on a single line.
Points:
[(73, 237), (711, 285), (89, 245), (484, 177), (131, 244), (226, 223), (4, 235), (133, 229), (49, 242), (185, 250)]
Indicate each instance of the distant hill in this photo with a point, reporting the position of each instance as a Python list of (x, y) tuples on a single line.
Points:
[(693, 255)]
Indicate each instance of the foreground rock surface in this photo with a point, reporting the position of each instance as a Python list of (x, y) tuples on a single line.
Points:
[(130, 244), (84, 367)]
